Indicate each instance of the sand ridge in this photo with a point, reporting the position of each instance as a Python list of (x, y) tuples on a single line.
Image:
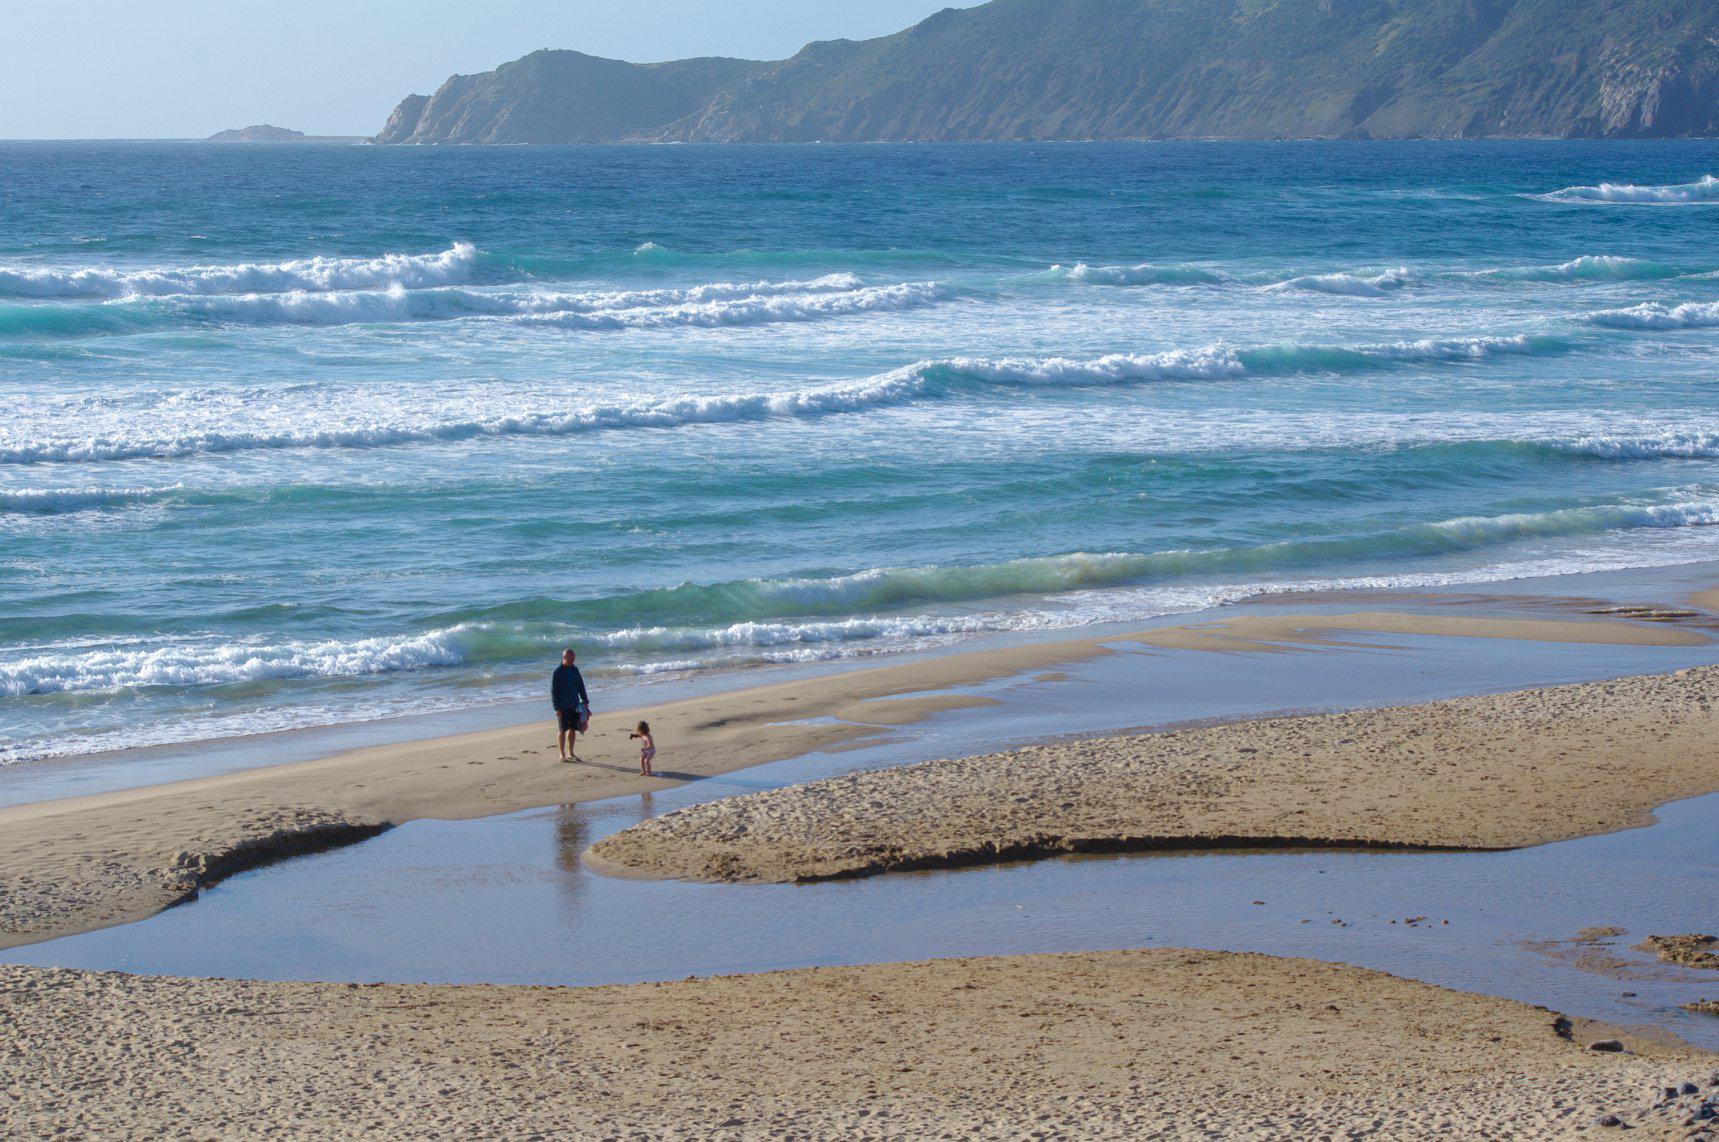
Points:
[(1486, 772), (1164, 1043)]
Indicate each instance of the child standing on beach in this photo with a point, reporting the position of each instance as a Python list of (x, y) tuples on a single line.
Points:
[(647, 747)]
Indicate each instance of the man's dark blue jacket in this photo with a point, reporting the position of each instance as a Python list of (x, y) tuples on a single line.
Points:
[(567, 689)]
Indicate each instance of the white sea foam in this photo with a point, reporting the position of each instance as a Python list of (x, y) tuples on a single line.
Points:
[(1350, 285), (1209, 363), (454, 264), (1703, 190), (1655, 315), (923, 380), (1141, 273), (1588, 267), (56, 501), (885, 389), (759, 310), (1476, 530), (711, 303), (1663, 446), (213, 662)]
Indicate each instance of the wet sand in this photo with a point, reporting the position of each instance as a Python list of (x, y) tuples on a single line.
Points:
[(1486, 772), (1162, 1043), (72, 865)]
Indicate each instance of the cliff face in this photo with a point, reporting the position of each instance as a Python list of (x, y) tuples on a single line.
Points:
[(1108, 69), (561, 97)]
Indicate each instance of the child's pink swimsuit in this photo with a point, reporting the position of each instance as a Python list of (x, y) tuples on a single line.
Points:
[(648, 754)]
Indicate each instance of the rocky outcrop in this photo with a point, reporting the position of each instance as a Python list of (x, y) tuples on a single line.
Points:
[(1126, 69), (258, 133), (268, 133), (404, 120)]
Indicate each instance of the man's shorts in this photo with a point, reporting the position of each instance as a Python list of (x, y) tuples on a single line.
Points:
[(569, 720)]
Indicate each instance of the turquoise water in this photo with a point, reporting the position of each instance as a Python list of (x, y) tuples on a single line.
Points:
[(302, 435)]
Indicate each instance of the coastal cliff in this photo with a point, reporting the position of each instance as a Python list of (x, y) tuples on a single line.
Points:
[(1136, 69)]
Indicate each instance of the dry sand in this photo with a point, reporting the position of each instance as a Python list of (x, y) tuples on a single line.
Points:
[(1138, 1044), (1487, 772), (67, 866)]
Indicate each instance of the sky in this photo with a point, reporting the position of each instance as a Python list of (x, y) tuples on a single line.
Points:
[(113, 69)]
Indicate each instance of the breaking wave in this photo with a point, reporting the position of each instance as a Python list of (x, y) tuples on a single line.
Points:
[(713, 304), (62, 501), (1144, 273), (454, 264), (923, 380), (1349, 285), (1703, 190), (670, 413), (1587, 268), (1655, 315), (757, 310), (214, 663), (1663, 446)]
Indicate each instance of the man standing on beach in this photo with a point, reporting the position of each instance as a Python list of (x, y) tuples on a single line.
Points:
[(572, 704)]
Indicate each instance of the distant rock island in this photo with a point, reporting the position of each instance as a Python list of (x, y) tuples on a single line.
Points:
[(1136, 69), (268, 133)]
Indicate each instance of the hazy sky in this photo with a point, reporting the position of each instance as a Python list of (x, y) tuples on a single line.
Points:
[(73, 69)]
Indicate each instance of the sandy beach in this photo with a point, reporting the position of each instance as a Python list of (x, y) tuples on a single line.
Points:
[(1129, 1044), (1485, 772), (1159, 1043), (76, 864)]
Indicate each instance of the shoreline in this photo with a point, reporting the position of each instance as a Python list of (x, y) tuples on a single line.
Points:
[(72, 865), (108, 770)]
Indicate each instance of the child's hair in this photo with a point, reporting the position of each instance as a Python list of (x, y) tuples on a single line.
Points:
[(643, 727)]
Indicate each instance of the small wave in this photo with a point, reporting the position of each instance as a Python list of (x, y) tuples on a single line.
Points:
[(881, 588), (1349, 285), (454, 264), (712, 304), (1587, 268), (219, 663), (1703, 190), (1143, 273), (1664, 446), (62, 501), (1219, 361), (1213, 362), (1477, 530), (760, 310), (53, 322), (654, 257), (607, 309), (1655, 315)]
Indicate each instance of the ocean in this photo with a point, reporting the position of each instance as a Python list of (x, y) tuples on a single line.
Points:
[(310, 434)]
